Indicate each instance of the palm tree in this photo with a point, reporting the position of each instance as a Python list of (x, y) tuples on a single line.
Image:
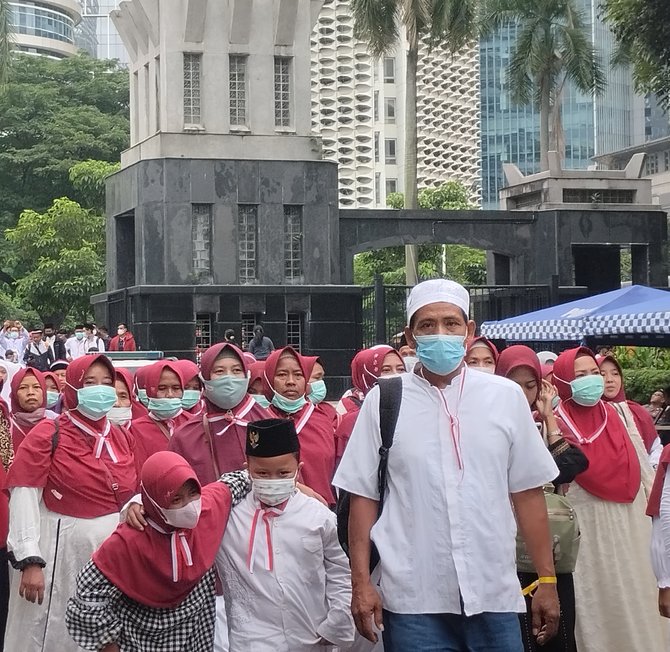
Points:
[(6, 31), (440, 23), (552, 48)]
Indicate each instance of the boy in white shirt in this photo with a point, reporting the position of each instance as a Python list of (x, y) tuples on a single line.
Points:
[(286, 578)]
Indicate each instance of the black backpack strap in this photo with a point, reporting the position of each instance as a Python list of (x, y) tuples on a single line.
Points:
[(390, 397)]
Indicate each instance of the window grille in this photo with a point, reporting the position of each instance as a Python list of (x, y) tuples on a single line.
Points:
[(203, 334), (294, 331), (293, 243), (192, 65), (201, 236), (248, 321), (237, 84), (247, 228), (282, 83)]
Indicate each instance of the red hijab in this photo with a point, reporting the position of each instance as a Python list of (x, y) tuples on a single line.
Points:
[(23, 422), (189, 371), (366, 367), (98, 454), (517, 356), (53, 377), (614, 469), (643, 421), (138, 410), (271, 364), (151, 567), (491, 346), (256, 372), (152, 375)]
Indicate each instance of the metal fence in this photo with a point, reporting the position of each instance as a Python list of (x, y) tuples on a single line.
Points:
[(384, 307)]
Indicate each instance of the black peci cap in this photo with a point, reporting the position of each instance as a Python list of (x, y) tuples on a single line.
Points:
[(271, 438)]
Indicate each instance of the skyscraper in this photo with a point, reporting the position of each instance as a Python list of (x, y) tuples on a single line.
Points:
[(108, 44), (592, 126)]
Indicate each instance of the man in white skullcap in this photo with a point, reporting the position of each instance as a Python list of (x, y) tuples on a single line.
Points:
[(464, 443)]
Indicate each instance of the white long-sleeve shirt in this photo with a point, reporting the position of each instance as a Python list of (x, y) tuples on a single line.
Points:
[(660, 539), (307, 594)]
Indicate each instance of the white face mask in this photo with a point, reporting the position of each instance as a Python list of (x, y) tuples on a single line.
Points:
[(486, 370), (183, 518), (120, 415), (273, 492)]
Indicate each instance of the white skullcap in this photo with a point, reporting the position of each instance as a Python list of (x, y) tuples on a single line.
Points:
[(434, 291), (547, 357)]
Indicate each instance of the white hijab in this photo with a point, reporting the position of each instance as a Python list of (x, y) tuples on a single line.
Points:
[(11, 368)]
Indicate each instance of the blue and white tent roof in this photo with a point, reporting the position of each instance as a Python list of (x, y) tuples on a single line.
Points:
[(624, 308)]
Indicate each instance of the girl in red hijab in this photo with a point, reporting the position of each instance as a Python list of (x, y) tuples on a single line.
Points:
[(140, 385), (482, 354), (164, 386), (286, 386), (614, 587), (256, 383), (154, 589), (636, 419), (68, 482), (214, 442), (127, 406), (191, 400), (28, 403)]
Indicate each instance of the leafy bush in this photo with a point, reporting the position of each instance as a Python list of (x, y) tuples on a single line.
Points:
[(640, 384)]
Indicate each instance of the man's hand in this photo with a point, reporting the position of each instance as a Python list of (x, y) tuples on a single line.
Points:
[(32, 584), (366, 608), (135, 517), (546, 613), (664, 602)]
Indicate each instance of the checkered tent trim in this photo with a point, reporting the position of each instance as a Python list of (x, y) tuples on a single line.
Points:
[(653, 323), (537, 331)]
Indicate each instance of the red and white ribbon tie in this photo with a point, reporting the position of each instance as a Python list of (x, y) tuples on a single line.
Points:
[(266, 515), (102, 442), (179, 547), (232, 418)]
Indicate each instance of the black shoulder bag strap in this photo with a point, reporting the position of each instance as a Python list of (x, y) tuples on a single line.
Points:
[(390, 397)]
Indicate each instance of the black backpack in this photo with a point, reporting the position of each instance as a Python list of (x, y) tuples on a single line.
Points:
[(390, 397)]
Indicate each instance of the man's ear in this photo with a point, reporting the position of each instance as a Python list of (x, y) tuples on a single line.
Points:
[(409, 337), (470, 332)]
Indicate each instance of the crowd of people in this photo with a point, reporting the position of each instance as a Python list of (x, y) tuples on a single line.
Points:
[(521, 503)]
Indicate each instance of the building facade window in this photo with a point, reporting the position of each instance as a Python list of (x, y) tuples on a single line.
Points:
[(293, 243), (652, 164), (378, 190), (390, 151), (247, 244), (237, 87), (203, 334), (157, 85), (294, 330), (666, 159), (389, 70), (247, 324), (389, 110), (192, 78), (375, 106), (391, 186), (202, 239), (376, 147), (282, 84)]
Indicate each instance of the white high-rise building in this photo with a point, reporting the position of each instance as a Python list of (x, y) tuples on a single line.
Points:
[(358, 109)]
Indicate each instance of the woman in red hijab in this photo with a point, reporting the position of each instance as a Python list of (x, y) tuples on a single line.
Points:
[(615, 593), (286, 386), (164, 386), (214, 442), (256, 383), (29, 399), (367, 367), (191, 400), (154, 589), (140, 385), (482, 354), (67, 484), (127, 406), (316, 373), (637, 420), (521, 365)]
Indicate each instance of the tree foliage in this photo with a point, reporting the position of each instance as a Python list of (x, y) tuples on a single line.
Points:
[(59, 259), (463, 264), (642, 28), (55, 114), (88, 179)]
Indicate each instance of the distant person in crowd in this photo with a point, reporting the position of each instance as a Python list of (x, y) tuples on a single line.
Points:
[(37, 354), (256, 383), (103, 334), (547, 357), (59, 367), (636, 419), (521, 365), (11, 356), (28, 403), (286, 386), (663, 418), (76, 345), (140, 386), (7, 371), (448, 578), (191, 399), (55, 343), (66, 490), (213, 442), (123, 340), (482, 354), (656, 404), (407, 353), (229, 336), (605, 351), (615, 597), (127, 406), (13, 337), (53, 386), (92, 342), (260, 346)]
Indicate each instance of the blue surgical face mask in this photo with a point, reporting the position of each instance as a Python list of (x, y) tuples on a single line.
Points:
[(79, 335), (290, 406), (164, 408), (142, 397), (227, 391), (95, 401), (190, 398), (440, 353), (555, 401), (13, 335), (318, 393), (587, 390), (261, 400), (52, 398)]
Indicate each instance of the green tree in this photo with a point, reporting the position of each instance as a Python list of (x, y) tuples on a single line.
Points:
[(6, 39), (642, 28), (552, 47), (88, 179), (55, 114), (458, 262), (59, 259), (447, 24)]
